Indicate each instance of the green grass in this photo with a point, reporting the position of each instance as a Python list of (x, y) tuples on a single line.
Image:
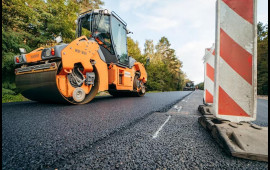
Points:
[(153, 91), (11, 96), (103, 93)]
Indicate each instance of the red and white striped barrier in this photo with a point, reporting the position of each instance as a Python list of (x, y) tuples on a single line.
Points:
[(235, 94), (209, 73)]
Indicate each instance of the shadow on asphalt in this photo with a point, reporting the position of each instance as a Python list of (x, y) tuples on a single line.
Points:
[(35, 103)]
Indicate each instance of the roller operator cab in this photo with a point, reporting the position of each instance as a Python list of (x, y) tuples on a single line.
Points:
[(97, 60)]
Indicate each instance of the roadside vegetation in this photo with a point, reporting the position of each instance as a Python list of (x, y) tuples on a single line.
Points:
[(34, 23), (262, 65), (11, 96), (200, 86)]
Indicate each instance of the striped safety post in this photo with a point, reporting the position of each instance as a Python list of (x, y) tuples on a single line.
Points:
[(209, 73), (235, 87)]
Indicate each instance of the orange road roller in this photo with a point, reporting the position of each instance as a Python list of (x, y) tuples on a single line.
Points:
[(74, 73)]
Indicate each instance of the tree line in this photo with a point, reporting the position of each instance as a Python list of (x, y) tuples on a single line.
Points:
[(262, 62), (163, 69)]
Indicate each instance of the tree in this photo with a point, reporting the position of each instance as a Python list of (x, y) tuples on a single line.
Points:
[(149, 50), (200, 86), (85, 5), (262, 53), (134, 50), (164, 71)]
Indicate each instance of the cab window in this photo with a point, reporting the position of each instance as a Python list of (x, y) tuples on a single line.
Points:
[(120, 40), (101, 31), (85, 26), (98, 27)]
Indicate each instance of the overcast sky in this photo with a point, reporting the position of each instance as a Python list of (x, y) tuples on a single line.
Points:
[(188, 24)]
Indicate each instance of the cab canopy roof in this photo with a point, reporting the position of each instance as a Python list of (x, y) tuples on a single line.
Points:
[(104, 12)]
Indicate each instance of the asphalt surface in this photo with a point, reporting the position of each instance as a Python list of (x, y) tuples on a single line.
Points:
[(182, 143), (36, 135), (262, 113), (115, 133)]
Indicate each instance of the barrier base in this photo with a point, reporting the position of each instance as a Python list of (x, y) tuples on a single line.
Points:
[(243, 140), (205, 110)]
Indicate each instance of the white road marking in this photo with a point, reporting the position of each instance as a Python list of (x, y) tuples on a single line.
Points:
[(177, 108), (160, 128)]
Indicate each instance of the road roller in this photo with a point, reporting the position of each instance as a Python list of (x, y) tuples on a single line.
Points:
[(97, 60)]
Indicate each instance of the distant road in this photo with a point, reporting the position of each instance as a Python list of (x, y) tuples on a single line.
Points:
[(262, 112)]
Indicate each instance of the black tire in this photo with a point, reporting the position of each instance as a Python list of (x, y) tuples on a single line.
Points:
[(135, 86), (116, 93)]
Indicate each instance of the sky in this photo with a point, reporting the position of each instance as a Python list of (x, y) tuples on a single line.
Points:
[(189, 25)]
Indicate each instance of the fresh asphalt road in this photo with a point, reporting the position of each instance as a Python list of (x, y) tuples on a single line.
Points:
[(111, 133), (35, 135)]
